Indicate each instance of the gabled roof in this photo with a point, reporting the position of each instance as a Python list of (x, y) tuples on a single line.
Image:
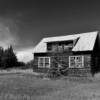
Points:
[(85, 42)]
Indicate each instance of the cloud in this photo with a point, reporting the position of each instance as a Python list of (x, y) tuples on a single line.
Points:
[(6, 36), (9, 35), (25, 55)]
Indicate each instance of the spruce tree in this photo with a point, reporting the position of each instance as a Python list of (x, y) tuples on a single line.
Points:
[(1, 56), (9, 58)]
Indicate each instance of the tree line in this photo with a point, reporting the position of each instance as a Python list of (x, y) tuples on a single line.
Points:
[(8, 58)]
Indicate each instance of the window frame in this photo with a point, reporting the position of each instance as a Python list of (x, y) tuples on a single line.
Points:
[(44, 63), (82, 61)]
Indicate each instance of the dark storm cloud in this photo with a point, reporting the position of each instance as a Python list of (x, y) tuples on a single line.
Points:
[(24, 22), (30, 20)]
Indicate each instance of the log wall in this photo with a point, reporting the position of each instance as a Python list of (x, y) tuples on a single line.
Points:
[(86, 71)]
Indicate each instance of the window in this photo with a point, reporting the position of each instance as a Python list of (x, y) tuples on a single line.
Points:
[(44, 62), (54, 48), (76, 61), (49, 46), (68, 45)]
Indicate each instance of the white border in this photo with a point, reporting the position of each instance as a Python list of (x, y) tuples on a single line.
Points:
[(43, 62), (76, 56)]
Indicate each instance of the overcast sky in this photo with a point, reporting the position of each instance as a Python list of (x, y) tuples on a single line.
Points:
[(23, 23)]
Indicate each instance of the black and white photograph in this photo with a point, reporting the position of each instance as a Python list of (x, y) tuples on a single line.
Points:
[(49, 50)]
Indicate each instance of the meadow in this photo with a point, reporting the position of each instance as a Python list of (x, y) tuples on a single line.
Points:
[(21, 86)]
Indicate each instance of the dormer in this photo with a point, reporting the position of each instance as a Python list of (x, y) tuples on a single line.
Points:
[(61, 46)]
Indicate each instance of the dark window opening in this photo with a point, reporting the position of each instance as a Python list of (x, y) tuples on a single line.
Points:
[(49, 46)]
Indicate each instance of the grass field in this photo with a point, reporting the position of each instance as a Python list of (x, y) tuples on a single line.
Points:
[(29, 87)]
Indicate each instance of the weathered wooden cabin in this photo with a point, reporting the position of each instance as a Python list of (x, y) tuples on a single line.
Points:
[(80, 52)]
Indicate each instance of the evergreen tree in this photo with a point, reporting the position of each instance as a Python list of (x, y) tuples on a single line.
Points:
[(9, 58), (1, 56)]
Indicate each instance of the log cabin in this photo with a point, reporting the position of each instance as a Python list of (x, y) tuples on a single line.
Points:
[(80, 52)]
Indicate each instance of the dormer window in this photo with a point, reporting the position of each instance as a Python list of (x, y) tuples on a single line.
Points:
[(60, 46), (49, 46), (68, 45)]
